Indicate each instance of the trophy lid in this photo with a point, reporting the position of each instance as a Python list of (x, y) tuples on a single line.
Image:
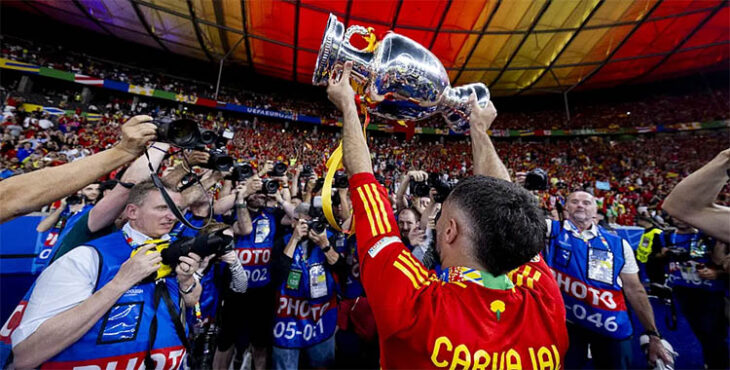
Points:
[(333, 35)]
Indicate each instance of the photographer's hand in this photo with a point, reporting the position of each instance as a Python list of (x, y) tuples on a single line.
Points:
[(136, 133), (319, 239), (185, 269), (230, 257), (197, 157), (204, 264), (141, 265), (300, 230), (418, 176)]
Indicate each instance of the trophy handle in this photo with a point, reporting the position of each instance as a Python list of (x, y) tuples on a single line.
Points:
[(353, 30)]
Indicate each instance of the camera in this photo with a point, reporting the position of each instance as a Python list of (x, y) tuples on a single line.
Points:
[(240, 172), (307, 171), (318, 185), (269, 186), (536, 179), (443, 188), (678, 254), (278, 170), (183, 133), (218, 160), (341, 181), (317, 223), (434, 181), (419, 188), (203, 245)]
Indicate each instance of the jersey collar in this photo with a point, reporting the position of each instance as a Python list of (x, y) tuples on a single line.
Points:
[(483, 278)]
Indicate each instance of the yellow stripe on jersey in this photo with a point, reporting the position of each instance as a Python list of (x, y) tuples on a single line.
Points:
[(382, 208), (406, 273), (413, 261), (415, 271), (534, 279), (367, 211), (376, 212)]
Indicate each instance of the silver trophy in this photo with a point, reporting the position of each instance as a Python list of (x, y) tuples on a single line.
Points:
[(402, 79)]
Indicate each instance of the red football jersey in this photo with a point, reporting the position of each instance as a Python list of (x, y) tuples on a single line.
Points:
[(424, 322)]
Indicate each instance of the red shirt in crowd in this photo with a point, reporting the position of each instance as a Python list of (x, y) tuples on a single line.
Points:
[(424, 322)]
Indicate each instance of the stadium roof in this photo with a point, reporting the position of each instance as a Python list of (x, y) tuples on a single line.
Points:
[(513, 46)]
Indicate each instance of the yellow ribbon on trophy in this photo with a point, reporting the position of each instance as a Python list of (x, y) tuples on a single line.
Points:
[(334, 163)]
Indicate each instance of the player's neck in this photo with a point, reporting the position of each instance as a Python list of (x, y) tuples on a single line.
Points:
[(461, 261)]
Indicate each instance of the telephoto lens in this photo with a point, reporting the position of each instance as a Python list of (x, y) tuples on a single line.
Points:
[(279, 169), (269, 186), (182, 133)]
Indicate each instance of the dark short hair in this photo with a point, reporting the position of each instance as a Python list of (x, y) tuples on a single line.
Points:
[(507, 227), (415, 212)]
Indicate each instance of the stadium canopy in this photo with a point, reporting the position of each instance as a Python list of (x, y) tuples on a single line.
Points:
[(513, 46)]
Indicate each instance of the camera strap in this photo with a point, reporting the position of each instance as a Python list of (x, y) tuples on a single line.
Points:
[(170, 204), (161, 292)]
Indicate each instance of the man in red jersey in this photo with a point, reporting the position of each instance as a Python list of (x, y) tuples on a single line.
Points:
[(496, 305)]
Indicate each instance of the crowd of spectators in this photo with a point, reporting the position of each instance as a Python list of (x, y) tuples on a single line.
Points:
[(639, 170), (659, 108)]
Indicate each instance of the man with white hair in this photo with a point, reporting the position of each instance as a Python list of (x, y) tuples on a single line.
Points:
[(594, 269)]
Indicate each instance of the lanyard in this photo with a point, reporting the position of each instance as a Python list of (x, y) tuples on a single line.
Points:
[(586, 240), (134, 245)]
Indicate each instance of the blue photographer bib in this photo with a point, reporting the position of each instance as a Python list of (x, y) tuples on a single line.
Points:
[(587, 273), (351, 288), (120, 338), (698, 254), (307, 304), (254, 249)]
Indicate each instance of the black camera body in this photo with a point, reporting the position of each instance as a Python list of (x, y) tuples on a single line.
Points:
[(317, 225), (536, 179), (182, 133), (419, 188), (203, 245), (218, 160), (278, 170), (423, 188), (269, 186), (317, 222), (341, 181), (678, 254), (240, 172), (318, 185), (307, 172)]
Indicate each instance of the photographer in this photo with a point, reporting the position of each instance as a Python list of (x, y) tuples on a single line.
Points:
[(79, 302), (699, 286), (99, 221), (246, 318), (306, 273), (603, 265), (410, 177), (487, 228)]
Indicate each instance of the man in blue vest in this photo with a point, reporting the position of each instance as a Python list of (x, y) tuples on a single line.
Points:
[(246, 318), (306, 313), (700, 287), (594, 270), (96, 306)]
